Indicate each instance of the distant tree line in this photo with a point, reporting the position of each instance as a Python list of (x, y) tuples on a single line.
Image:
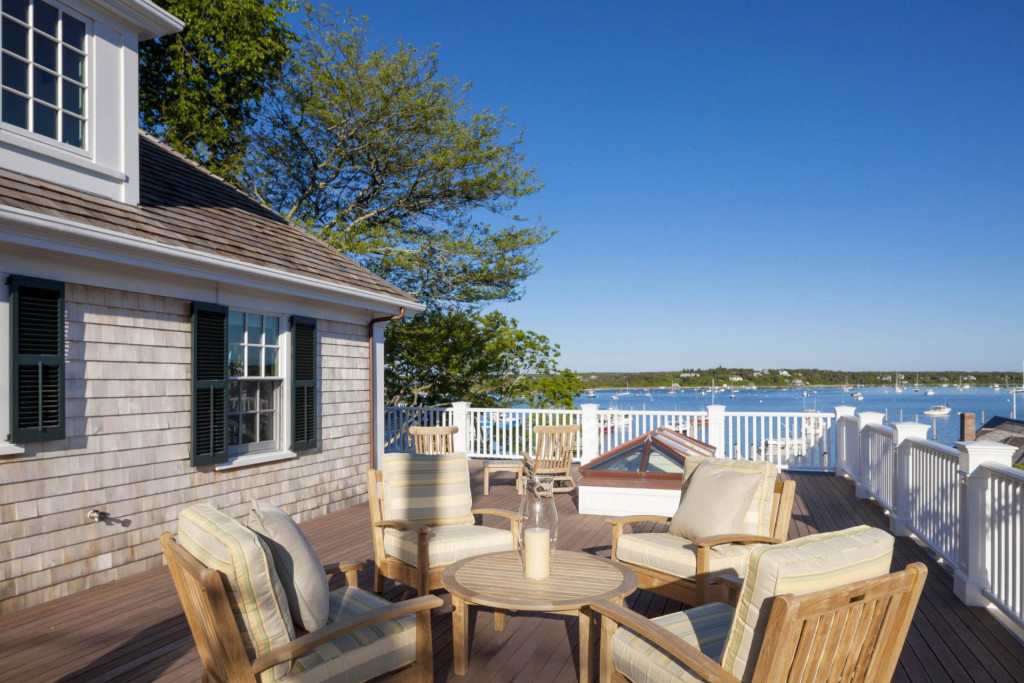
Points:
[(787, 377)]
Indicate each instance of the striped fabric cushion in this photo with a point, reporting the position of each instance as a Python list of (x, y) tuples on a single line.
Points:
[(704, 627), (429, 489), (363, 654), (803, 565), (256, 595), (448, 544), (675, 555), (758, 520)]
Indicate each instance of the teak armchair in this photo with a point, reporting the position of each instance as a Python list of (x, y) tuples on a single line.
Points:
[(699, 589), (850, 633), (433, 440), (204, 597), (420, 574), (555, 446)]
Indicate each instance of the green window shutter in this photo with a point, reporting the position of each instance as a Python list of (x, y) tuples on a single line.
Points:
[(304, 433), (37, 359), (209, 384)]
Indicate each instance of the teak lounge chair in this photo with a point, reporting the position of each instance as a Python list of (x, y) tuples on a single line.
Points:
[(365, 636), (819, 608), (433, 440), (555, 446), (681, 568), (422, 519)]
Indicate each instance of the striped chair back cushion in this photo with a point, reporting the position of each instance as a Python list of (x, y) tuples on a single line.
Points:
[(429, 489), (758, 519), (256, 595), (803, 565)]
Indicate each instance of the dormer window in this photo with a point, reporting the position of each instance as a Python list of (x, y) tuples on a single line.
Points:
[(43, 71)]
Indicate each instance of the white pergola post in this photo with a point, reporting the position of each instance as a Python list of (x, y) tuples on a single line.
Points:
[(863, 420), (899, 519), (971, 577), (590, 438), (460, 419), (716, 429)]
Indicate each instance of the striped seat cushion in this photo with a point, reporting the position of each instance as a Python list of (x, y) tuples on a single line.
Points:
[(363, 654), (800, 566), (256, 595), (448, 544), (758, 519), (429, 489), (704, 627), (675, 555)]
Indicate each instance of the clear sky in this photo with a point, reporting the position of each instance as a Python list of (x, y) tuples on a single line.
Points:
[(819, 184)]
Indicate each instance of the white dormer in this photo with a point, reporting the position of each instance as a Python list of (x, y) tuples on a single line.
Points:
[(69, 73)]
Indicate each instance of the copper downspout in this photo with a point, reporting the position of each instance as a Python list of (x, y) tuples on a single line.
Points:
[(373, 381)]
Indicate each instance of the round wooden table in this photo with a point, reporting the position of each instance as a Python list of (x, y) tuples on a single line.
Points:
[(496, 580)]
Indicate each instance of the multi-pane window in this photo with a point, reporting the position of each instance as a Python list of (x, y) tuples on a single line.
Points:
[(254, 371), (43, 70)]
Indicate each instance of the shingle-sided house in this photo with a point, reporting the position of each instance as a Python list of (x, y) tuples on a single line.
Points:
[(163, 338)]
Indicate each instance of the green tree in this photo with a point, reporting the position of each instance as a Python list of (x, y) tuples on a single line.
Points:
[(379, 155), (199, 89), (444, 356)]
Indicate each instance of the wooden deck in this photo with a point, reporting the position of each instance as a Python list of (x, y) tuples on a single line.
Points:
[(134, 630)]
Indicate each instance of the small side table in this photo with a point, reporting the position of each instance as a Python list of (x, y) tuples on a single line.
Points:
[(496, 580), (501, 466)]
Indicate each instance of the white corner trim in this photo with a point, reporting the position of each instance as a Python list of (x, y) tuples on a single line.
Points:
[(38, 230), (251, 459)]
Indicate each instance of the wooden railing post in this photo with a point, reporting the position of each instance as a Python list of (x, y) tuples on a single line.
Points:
[(716, 430), (861, 477), (460, 419), (590, 437), (844, 449), (899, 519), (972, 575)]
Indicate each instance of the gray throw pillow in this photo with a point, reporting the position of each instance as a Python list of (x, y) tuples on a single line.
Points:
[(298, 567), (714, 502)]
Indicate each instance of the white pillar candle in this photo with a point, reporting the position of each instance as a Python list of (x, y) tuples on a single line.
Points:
[(537, 553)]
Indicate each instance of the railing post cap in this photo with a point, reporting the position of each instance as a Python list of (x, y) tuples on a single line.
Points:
[(906, 430), (716, 411), (974, 453), (871, 419), (589, 406), (845, 411), (461, 404)]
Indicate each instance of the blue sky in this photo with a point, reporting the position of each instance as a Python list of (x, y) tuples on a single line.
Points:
[(835, 185)]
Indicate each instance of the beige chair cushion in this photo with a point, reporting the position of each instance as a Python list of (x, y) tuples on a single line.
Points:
[(256, 595), (448, 544), (758, 519), (715, 502), (800, 566), (677, 556), (429, 489), (363, 654), (704, 627), (298, 567)]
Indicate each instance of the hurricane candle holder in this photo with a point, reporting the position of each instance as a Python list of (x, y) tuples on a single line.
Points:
[(538, 528)]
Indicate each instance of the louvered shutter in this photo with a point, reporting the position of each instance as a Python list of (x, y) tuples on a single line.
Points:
[(304, 434), (209, 384), (37, 359)]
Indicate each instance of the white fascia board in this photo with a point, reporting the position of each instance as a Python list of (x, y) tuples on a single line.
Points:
[(57, 234), (146, 17)]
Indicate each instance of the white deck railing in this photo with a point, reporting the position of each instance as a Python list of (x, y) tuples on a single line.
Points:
[(878, 450), (934, 496), (790, 440), (1005, 540)]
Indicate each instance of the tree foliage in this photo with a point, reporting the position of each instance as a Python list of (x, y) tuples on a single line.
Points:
[(199, 89), (385, 159), (444, 356)]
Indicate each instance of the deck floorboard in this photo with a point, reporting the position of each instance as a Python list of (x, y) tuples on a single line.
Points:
[(133, 629)]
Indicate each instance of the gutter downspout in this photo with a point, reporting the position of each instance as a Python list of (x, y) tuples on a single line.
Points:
[(373, 380)]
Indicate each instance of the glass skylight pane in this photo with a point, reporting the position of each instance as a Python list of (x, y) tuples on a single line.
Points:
[(44, 120), (15, 109), (44, 51), (15, 73), (74, 32), (17, 9), (659, 462), (72, 130), (15, 38), (45, 18), (73, 65), (44, 86)]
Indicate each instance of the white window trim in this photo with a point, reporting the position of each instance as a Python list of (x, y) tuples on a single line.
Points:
[(260, 458), (6, 447)]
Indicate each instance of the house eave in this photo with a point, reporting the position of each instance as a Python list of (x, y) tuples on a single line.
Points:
[(147, 18), (32, 229)]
